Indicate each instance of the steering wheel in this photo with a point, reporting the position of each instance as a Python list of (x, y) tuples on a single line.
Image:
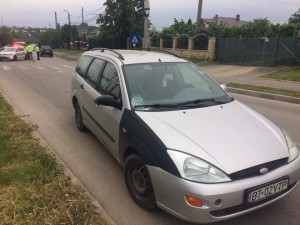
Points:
[(184, 87)]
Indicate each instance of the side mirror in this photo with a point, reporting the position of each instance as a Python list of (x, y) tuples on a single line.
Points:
[(108, 100), (223, 86)]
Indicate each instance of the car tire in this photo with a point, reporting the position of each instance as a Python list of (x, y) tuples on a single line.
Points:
[(78, 118), (15, 58), (139, 183)]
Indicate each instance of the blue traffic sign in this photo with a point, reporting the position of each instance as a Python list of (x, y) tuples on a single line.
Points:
[(135, 38)]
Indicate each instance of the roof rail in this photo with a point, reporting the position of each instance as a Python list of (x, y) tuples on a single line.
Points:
[(120, 56), (157, 50)]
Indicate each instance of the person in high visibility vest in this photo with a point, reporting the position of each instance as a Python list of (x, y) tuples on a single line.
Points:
[(37, 50), (29, 50)]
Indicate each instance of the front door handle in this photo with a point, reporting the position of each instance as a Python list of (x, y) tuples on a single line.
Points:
[(81, 87)]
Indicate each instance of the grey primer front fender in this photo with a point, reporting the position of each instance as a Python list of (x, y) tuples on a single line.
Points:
[(145, 142)]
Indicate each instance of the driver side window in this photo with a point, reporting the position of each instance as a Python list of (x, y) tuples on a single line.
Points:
[(109, 82)]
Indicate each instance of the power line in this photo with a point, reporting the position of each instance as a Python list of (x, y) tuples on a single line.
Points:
[(93, 12), (277, 2)]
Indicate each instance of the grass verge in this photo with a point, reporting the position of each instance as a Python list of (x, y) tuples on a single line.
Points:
[(69, 55), (266, 89), (33, 187), (289, 74)]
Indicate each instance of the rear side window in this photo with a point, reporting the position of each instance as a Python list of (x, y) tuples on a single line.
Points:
[(83, 65), (94, 71)]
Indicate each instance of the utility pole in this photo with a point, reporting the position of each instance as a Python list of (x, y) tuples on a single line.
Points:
[(146, 24), (82, 20), (57, 27), (199, 14), (69, 17)]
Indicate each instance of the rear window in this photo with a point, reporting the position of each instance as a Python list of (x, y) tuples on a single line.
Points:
[(47, 47)]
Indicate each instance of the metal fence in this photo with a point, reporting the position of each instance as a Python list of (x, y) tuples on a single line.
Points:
[(259, 52)]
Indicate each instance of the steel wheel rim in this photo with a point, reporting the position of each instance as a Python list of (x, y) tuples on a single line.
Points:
[(141, 181)]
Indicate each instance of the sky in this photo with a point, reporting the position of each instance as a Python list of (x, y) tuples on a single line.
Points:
[(41, 13)]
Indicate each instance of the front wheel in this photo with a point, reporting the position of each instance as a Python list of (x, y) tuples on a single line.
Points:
[(138, 182), (78, 118)]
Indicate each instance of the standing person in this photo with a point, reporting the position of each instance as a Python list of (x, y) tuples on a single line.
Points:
[(37, 50), (29, 49), (25, 47)]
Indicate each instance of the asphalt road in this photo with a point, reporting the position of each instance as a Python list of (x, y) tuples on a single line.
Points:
[(41, 92)]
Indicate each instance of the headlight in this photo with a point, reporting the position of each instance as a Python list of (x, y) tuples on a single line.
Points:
[(195, 169), (293, 150)]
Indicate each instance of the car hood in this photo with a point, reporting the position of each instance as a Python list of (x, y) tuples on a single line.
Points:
[(7, 53), (230, 136)]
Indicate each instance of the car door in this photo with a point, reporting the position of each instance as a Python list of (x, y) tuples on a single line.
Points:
[(79, 84), (20, 53), (107, 119), (89, 93)]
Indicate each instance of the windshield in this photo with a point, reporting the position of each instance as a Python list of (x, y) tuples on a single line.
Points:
[(171, 86)]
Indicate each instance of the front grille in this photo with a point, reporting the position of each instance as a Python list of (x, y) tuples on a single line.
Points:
[(255, 170), (243, 207)]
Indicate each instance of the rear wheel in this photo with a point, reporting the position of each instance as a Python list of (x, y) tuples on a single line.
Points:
[(138, 182), (78, 118), (15, 58)]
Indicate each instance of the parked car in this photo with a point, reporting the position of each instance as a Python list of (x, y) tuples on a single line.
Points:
[(186, 145), (46, 50), (13, 53)]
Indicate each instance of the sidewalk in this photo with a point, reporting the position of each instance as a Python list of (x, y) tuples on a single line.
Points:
[(224, 74)]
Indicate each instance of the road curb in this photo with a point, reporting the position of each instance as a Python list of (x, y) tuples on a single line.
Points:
[(282, 98)]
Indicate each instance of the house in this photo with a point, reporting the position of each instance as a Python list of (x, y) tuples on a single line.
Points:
[(229, 21)]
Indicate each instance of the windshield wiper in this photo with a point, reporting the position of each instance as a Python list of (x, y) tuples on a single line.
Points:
[(193, 103), (157, 106), (197, 101)]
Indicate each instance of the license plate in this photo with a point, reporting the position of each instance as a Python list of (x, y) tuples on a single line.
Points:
[(268, 190)]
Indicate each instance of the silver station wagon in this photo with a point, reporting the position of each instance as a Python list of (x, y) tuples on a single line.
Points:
[(186, 145)]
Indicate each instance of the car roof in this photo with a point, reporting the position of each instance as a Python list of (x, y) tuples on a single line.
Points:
[(136, 56)]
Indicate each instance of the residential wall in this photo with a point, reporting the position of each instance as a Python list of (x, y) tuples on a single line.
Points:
[(208, 54)]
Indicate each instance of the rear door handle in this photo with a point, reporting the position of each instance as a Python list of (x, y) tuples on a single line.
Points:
[(81, 87)]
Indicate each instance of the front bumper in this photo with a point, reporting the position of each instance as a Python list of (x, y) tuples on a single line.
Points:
[(170, 191), (6, 57)]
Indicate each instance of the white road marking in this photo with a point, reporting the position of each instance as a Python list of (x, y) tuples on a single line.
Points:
[(24, 67), (39, 67), (70, 67), (6, 67), (53, 67)]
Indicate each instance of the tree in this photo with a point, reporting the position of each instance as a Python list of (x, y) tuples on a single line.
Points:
[(257, 28), (65, 34), (121, 18), (295, 18), (5, 36), (50, 37), (184, 28)]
